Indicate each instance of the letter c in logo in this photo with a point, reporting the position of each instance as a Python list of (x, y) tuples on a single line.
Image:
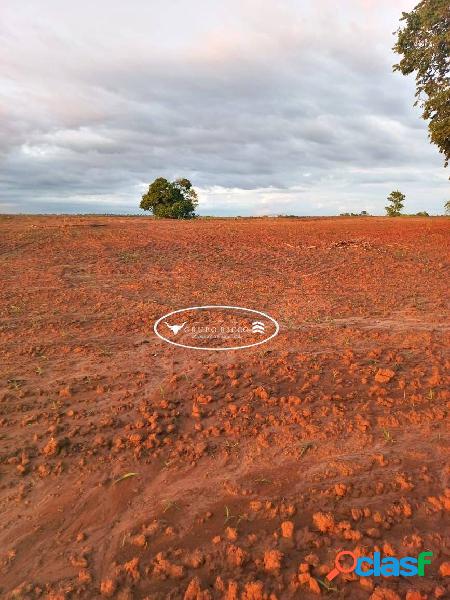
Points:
[(359, 571)]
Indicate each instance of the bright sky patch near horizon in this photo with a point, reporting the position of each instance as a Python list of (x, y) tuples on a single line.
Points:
[(268, 107)]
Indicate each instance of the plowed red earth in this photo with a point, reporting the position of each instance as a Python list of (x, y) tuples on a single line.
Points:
[(134, 469)]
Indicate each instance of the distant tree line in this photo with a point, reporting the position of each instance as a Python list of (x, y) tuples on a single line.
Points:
[(178, 200)]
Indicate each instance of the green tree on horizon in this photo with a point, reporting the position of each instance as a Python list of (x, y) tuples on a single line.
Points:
[(396, 200), (170, 199)]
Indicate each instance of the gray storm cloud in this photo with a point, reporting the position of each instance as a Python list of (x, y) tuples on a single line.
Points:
[(266, 106)]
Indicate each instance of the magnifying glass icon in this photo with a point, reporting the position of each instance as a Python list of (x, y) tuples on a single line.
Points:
[(338, 568)]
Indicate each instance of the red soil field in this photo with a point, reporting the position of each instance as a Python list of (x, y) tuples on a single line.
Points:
[(131, 468)]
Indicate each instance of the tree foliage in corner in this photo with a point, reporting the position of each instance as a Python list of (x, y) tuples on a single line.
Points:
[(424, 43), (397, 200), (170, 199)]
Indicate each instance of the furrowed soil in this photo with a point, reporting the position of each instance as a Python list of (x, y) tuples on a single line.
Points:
[(131, 468)]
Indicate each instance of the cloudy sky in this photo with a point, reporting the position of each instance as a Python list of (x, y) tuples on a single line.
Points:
[(268, 106)]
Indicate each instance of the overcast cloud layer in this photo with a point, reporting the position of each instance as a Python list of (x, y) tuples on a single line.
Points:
[(267, 106)]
